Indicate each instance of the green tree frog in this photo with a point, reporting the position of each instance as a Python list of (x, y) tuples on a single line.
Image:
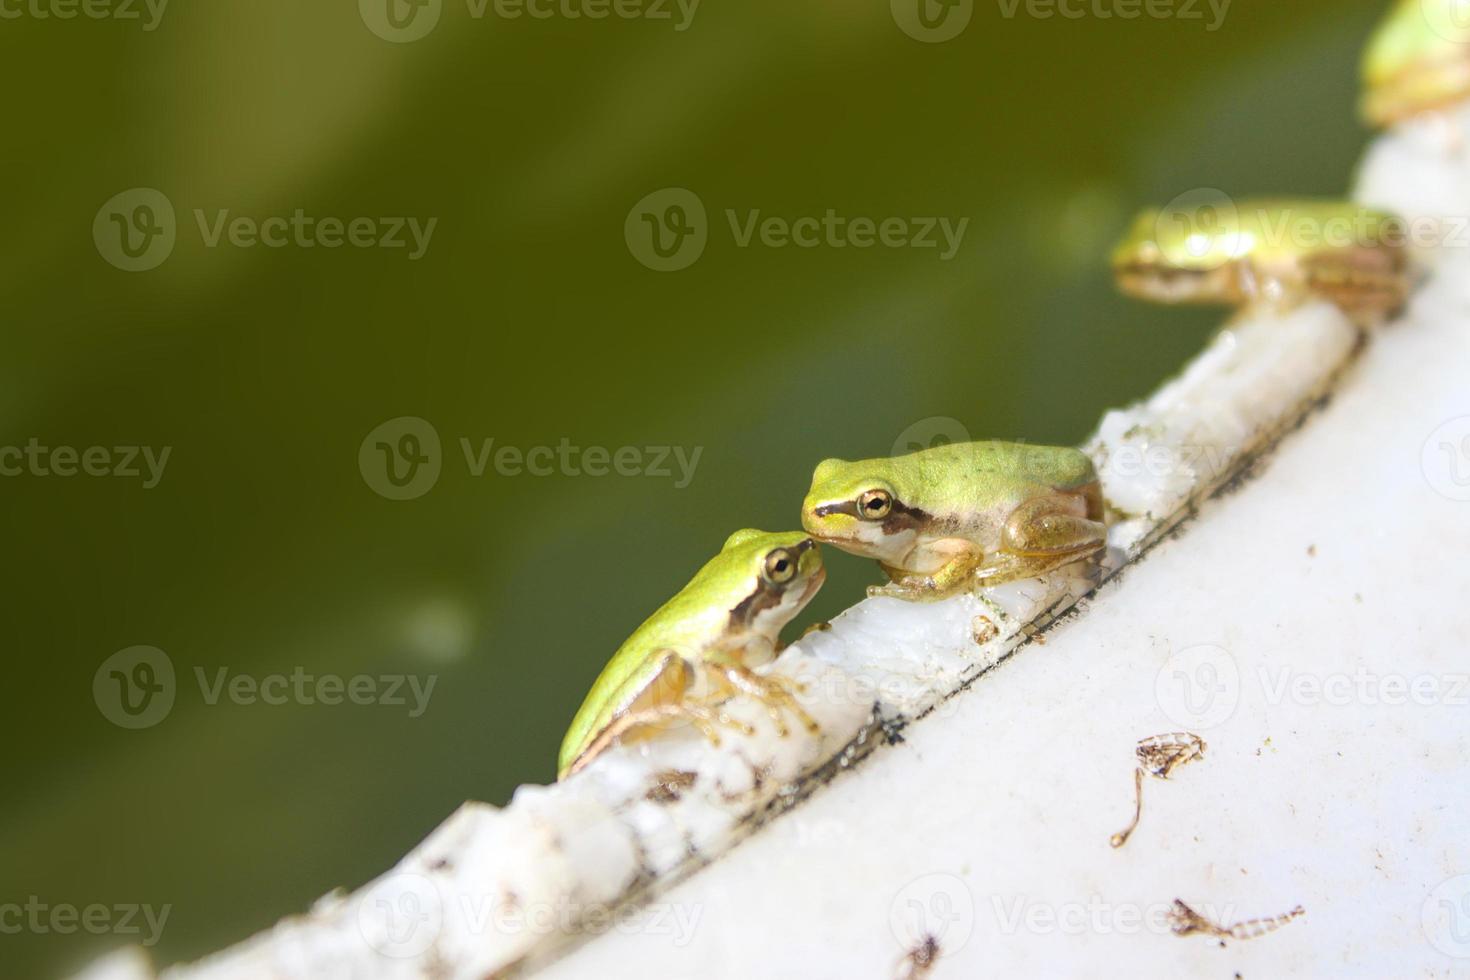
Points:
[(1277, 252), (699, 648), (1418, 61), (954, 518)]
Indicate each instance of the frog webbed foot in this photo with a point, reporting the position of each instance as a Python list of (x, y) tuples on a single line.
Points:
[(955, 577)]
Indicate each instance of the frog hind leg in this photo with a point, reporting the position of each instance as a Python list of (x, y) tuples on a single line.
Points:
[(774, 693), (1045, 533), (661, 705), (1368, 284)]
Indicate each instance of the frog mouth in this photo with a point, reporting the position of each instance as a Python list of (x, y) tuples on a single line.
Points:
[(813, 585), (1169, 283)]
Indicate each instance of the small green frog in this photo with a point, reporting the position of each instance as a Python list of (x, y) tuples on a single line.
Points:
[(957, 517), (1418, 61), (725, 621), (1277, 252)]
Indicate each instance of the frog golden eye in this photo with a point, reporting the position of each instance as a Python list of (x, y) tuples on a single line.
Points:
[(875, 505), (780, 566)]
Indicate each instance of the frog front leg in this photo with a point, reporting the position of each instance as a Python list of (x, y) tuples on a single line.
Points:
[(953, 577), (1042, 535), (773, 693)]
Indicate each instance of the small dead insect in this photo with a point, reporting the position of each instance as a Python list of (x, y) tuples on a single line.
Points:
[(1185, 921), (1158, 756), (919, 961), (984, 629)]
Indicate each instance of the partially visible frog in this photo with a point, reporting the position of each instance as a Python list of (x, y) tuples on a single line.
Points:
[(724, 622), (954, 518), (1417, 62), (1277, 252)]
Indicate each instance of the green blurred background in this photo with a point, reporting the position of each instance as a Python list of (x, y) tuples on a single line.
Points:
[(264, 549)]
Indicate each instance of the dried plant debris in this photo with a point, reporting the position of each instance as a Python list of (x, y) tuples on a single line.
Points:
[(1185, 921), (919, 962), (984, 629), (1158, 756), (670, 785)]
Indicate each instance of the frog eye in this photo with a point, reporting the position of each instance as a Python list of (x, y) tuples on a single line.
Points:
[(780, 567), (875, 505)]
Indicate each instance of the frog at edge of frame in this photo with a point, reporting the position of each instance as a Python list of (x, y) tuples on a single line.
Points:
[(1278, 252)]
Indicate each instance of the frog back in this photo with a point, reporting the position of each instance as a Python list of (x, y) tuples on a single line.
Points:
[(677, 626), (969, 477)]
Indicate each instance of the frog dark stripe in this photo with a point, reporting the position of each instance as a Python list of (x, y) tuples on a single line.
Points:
[(766, 595), (904, 518)]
